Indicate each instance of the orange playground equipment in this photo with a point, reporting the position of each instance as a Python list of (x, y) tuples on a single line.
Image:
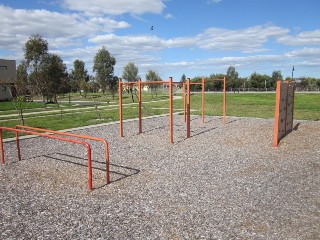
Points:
[(283, 120), (121, 84), (52, 134), (186, 102)]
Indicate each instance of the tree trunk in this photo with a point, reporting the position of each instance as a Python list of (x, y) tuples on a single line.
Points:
[(21, 117)]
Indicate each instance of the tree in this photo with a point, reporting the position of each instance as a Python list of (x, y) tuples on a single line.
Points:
[(276, 75), (53, 73), (260, 81), (113, 86), (212, 84), (79, 73), (35, 49), (22, 79), (104, 67), (84, 87), (182, 80), (130, 73), (152, 76), (232, 77)]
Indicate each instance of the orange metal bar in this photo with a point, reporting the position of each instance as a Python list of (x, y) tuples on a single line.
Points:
[(184, 101), (140, 109), (148, 82), (224, 100), (87, 145), (171, 110), (188, 108), (120, 108), (277, 115), (202, 99), (105, 142), (1, 147), (294, 87), (18, 146)]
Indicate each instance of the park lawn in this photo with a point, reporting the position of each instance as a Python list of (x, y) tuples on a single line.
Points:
[(257, 105)]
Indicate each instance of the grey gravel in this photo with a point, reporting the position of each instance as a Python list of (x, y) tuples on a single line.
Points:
[(225, 182)]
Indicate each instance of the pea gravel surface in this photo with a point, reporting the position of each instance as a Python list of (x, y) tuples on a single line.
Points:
[(225, 182)]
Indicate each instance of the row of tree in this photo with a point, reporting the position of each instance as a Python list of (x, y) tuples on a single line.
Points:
[(256, 82), (45, 73)]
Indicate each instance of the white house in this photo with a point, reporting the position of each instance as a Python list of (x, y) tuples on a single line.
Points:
[(8, 77)]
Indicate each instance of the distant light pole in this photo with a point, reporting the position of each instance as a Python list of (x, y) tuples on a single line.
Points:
[(292, 72), (265, 84)]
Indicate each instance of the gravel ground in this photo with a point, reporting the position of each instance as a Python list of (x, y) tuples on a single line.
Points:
[(222, 183)]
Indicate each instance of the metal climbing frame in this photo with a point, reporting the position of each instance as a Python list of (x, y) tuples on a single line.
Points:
[(105, 142), (87, 145), (121, 84), (187, 101)]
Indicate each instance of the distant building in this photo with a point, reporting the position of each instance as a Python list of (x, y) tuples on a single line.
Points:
[(8, 77)]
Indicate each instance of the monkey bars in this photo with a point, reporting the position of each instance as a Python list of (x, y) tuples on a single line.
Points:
[(22, 129), (121, 84), (187, 100)]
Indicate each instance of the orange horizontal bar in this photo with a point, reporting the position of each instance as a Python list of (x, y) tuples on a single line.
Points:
[(87, 145), (77, 136)]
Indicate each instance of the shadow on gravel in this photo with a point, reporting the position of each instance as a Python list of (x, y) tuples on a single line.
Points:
[(296, 127), (120, 171)]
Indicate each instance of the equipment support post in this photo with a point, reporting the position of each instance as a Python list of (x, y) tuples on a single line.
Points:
[(120, 108)]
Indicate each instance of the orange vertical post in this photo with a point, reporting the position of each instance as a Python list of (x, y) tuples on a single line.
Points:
[(202, 99), (184, 101), (277, 115), (18, 146), (140, 104), (224, 100), (120, 108), (1, 147), (188, 108), (171, 110)]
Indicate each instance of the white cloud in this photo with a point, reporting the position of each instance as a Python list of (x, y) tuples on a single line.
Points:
[(115, 7), (304, 38), (214, 1), (246, 40), (60, 29), (168, 16)]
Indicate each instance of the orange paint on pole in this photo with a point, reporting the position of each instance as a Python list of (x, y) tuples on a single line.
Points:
[(184, 101), (202, 99), (140, 104), (188, 108), (120, 108), (277, 115), (171, 110), (224, 100)]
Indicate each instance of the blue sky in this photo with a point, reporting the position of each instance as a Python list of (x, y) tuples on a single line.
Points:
[(191, 37)]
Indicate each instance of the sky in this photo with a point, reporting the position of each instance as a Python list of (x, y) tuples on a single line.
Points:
[(192, 37)]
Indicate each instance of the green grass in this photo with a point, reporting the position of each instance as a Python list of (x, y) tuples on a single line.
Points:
[(260, 105)]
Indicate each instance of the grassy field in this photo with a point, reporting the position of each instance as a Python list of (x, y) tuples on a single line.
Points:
[(68, 115)]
